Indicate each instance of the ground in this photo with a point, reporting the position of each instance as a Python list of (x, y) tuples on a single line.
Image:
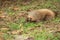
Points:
[(14, 27)]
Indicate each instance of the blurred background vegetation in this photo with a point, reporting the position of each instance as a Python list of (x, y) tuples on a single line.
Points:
[(12, 23)]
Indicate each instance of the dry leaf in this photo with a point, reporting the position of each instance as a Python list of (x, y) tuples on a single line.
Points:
[(4, 29), (15, 8), (1, 38), (17, 32)]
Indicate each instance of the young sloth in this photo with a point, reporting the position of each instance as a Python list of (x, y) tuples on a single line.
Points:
[(41, 14)]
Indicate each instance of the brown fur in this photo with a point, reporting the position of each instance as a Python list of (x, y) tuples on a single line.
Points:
[(41, 14)]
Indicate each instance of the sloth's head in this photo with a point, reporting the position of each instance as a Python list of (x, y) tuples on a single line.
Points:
[(31, 19)]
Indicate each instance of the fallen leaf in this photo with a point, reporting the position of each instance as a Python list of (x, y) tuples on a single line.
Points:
[(1, 38), (17, 32)]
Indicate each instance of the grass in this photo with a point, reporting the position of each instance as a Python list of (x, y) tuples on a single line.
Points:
[(38, 30)]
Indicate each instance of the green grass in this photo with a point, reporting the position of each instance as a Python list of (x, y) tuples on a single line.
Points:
[(8, 36)]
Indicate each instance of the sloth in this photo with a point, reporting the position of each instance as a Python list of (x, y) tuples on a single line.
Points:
[(40, 14)]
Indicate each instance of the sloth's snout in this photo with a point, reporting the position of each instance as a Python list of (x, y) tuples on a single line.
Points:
[(29, 19)]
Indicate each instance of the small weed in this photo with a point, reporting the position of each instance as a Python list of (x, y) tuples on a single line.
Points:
[(7, 37), (14, 26)]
